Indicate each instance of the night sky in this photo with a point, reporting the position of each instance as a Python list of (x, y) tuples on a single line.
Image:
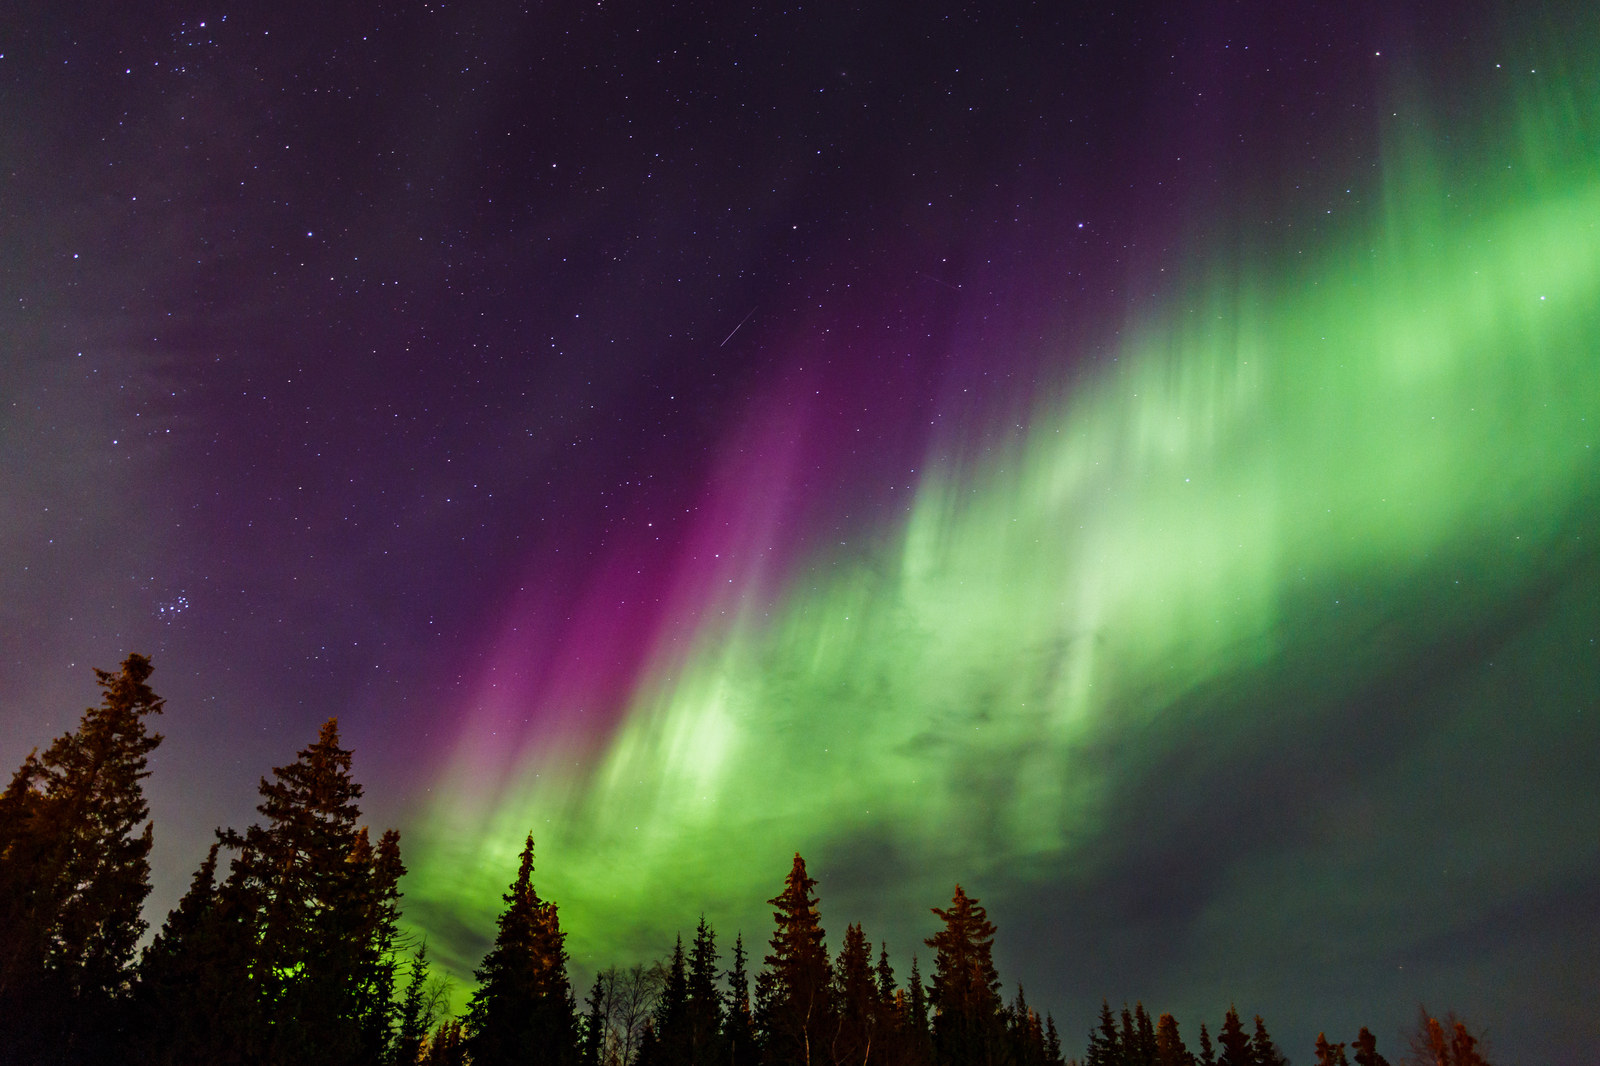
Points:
[(1139, 463)]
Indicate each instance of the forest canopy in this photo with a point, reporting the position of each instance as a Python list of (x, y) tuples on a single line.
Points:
[(290, 953)]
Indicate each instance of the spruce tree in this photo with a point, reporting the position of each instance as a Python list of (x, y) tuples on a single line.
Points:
[(1236, 1049), (1169, 1045), (1207, 1056), (706, 1045), (522, 1011), (1105, 1044), (891, 1037), (1024, 1033), (447, 1046), (592, 1046), (1366, 1050), (1262, 1047), (188, 980), (856, 992), (1329, 1054), (739, 1028), (1052, 1042), (672, 1045), (884, 974), (74, 873), (966, 989), (918, 1045), (307, 920), (794, 1008), (1448, 1042), (1144, 1047), (414, 1018)]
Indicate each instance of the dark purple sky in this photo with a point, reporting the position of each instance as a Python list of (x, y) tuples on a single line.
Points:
[(334, 334)]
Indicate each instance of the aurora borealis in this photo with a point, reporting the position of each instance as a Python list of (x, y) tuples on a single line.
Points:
[(1151, 476)]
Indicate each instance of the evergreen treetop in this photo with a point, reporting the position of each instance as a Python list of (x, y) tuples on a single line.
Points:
[(1236, 1050), (74, 872), (1105, 1043), (794, 1004), (522, 1011), (1265, 1050), (966, 989)]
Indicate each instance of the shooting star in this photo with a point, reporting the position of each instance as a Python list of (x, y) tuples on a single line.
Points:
[(936, 281), (735, 329)]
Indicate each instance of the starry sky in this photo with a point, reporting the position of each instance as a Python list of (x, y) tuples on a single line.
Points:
[(1138, 462)]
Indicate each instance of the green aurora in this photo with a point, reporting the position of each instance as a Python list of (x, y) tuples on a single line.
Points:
[(1301, 473)]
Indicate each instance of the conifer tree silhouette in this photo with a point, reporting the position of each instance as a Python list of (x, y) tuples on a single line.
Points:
[(856, 989), (966, 989), (1329, 1054), (188, 995), (522, 1012), (1025, 1035), (1365, 1048), (914, 1023), (413, 1020), (1265, 1050), (309, 914), (1207, 1056), (1446, 1043), (1236, 1049), (1169, 1045), (671, 1044), (794, 1007), (1143, 1051), (74, 873), (706, 1045), (1052, 1042), (739, 1027), (592, 1045), (1105, 1043), (447, 1045)]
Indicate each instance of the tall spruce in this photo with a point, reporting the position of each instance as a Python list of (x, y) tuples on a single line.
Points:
[(671, 1044), (1052, 1042), (889, 1011), (307, 922), (447, 1046), (1365, 1048), (966, 989), (706, 1044), (1236, 1049), (1144, 1042), (74, 873), (1169, 1045), (522, 1013), (856, 992), (189, 981), (918, 1040), (1105, 1043), (884, 973), (414, 1018), (592, 1041), (794, 1005), (1330, 1054), (1263, 1047), (739, 1026), (1025, 1036)]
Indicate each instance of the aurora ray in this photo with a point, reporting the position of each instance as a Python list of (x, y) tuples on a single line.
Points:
[(1417, 406)]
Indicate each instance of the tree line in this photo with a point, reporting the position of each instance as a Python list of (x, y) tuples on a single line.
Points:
[(291, 954)]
